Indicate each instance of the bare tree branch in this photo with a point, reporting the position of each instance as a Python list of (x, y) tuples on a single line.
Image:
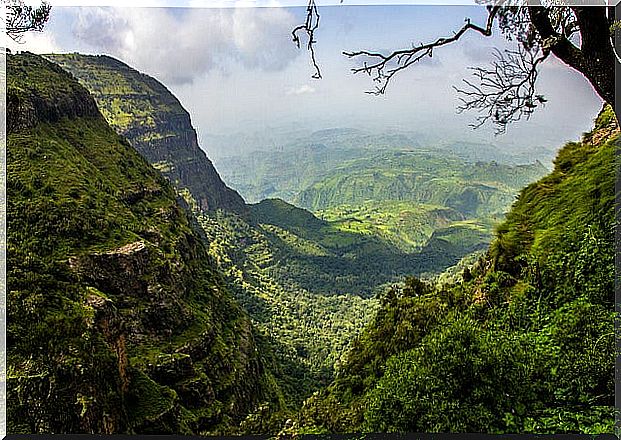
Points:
[(309, 27), (581, 37), (506, 91), (21, 18), (384, 67)]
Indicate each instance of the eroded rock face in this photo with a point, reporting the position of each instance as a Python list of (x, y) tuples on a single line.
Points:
[(119, 321), (142, 301), (144, 111)]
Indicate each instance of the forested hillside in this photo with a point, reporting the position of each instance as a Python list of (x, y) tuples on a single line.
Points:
[(118, 319), (229, 317), (308, 284), (302, 221), (331, 170), (524, 342), (477, 189), (311, 286)]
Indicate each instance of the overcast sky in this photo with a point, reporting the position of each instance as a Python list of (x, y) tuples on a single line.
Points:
[(236, 70)]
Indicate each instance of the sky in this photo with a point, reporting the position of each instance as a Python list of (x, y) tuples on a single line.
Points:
[(238, 73)]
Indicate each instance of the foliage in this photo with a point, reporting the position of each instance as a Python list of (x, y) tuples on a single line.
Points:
[(430, 389), (111, 294), (309, 284), (308, 330), (524, 342)]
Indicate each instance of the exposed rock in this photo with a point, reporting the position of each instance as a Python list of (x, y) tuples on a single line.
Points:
[(153, 120)]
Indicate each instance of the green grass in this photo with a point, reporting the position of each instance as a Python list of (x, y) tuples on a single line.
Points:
[(407, 225)]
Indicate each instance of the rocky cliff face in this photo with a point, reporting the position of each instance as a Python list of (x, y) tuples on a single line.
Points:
[(140, 108), (118, 320)]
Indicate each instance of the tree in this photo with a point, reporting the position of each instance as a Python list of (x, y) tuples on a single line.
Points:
[(580, 36), (21, 18)]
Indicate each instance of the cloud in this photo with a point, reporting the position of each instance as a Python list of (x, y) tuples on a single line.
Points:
[(302, 90), (178, 45), (33, 42), (478, 54)]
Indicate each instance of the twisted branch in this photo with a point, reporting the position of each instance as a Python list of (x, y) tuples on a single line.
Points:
[(309, 27), (384, 67), (506, 92)]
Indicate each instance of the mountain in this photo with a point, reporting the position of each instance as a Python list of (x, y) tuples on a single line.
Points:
[(324, 174), (522, 341), (311, 285), (118, 319), (302, 297), (284, 173), (290, 270), (141, 109), (473, 189), (128, 314)]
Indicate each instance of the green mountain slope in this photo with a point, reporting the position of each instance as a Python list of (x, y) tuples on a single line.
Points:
[(308, 325), (311, 286), (118, 320), (141, 109), (477, 189), (352, 256), (524, 342), (282, 174), (333, 169), (307, 283), (407, 225), (403, 211)]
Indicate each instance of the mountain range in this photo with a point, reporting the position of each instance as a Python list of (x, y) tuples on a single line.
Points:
[(147, 296)]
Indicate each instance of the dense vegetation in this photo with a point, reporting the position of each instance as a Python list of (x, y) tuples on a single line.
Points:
[(308, 329), (523, 343), (309, 284), (119, 305), (472, 189), (118, 319)]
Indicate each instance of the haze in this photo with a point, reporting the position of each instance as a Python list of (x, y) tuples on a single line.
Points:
[(248, 87)]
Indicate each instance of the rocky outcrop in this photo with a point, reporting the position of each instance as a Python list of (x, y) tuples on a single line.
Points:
[(140, 108), (28, 107), (119, 319)]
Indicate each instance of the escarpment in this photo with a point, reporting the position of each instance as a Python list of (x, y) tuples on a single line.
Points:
[(143, 110), (118, 320)]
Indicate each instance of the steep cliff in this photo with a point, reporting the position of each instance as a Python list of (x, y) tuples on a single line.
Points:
[(140, 108), (118, 320)]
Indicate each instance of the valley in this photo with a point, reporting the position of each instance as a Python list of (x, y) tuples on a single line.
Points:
[(310, 278), (292, 289)]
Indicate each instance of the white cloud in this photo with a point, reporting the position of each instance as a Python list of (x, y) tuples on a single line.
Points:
[(302, 90), (35, 42), (178, 45)]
